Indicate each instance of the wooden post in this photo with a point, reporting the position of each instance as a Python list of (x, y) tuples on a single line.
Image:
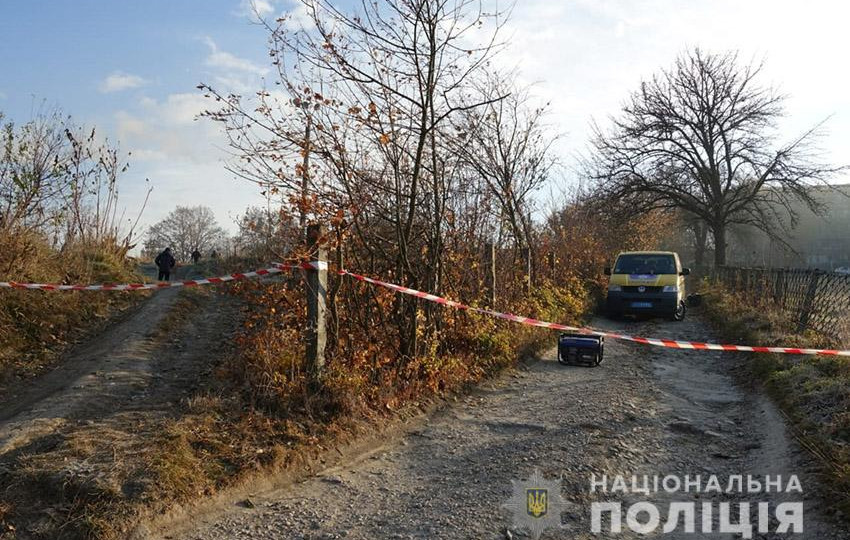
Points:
[(490, 274), (316, 287), (333, 308)]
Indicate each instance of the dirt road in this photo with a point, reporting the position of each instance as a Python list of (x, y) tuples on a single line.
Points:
[(80, 427), (130, 367), (644, 411)]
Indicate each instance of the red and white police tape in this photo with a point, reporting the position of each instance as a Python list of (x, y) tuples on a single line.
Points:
[(674, 344), (275, 269), (278, 268)]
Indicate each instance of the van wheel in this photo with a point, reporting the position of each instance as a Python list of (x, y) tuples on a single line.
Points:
[(679, 314)]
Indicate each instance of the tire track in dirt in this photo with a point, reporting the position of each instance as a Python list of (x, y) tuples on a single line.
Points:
[(105, 401), (91, 381), (127, 357), (644, 411)]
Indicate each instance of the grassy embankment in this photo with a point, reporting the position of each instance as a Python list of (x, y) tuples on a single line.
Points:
[(36, 326), (812, 391)]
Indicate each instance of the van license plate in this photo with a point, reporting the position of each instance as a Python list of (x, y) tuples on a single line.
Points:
[(641, 304)]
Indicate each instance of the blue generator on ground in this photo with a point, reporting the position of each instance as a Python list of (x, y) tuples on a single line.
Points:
[(580, 349)]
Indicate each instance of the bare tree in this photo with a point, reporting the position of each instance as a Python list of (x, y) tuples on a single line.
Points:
[(91, 200), (185, 230), (701, 138), (265, 234), (508, 145), (59, 183), (370, 95), (33, 171)]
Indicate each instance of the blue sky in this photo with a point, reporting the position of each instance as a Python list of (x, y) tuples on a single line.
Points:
[(62, 51), (131, 69)]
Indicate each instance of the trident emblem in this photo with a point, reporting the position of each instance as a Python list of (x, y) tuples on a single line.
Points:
[(538, 502)]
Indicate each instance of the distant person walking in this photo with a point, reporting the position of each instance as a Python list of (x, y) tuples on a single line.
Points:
[(165, 262), (196, 256), (214, 254)]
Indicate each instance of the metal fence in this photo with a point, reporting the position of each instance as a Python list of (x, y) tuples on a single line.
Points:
[(812, 299)]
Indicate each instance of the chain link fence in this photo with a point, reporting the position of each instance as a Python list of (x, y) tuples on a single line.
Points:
[(812, 299)]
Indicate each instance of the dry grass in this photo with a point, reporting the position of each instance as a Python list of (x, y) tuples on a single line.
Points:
[(96, 481), (37, 326), (225, 435), (92, 479), (60, 484), (812, 391)]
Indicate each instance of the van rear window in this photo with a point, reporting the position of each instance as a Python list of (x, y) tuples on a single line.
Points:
[(645, 264)]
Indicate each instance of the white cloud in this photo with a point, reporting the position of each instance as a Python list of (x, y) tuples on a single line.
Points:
[(178, 109), (178, 183), (233, 83), (130, 126), (295, 12), (229, 62), (182, 156), (169, 129), (251, 8), (117, 81), (298, 17), (587, 56)]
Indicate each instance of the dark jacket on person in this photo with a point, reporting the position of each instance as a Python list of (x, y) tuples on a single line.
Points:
[(165, 261)]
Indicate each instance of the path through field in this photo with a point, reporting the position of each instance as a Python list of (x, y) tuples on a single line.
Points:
[(129, 366), (106, 399)]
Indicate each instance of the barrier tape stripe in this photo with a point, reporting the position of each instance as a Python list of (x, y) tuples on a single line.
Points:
[(275, 269), (674, 344)]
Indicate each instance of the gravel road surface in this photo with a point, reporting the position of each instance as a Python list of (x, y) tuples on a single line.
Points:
[(646, 410)]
